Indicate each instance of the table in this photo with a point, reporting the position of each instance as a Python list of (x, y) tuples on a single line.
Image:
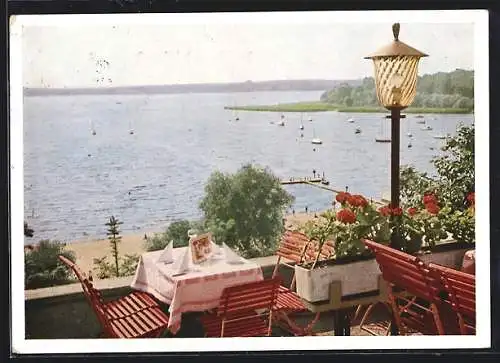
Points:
[(341, 305), (199, 289)]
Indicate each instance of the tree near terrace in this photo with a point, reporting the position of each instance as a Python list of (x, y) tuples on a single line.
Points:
[(245, 209)]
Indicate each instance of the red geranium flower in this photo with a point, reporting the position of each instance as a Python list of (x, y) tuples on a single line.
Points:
[(346, 216), (342, 197), (385, 211), (429, 199), (397, 211), (471, 198), (357, 200), (432, 208), (412, 211)]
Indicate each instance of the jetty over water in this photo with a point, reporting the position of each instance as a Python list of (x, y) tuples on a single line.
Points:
[(304, 180), (322, 183)]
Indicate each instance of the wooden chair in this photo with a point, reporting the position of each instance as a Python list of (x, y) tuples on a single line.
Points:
[(136, 315), (245, 310), (461, 293), (410, 296), (294, 248)]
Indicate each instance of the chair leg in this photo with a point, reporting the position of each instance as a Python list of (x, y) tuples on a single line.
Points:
[(367, 314), (284, 321), (358, 310)]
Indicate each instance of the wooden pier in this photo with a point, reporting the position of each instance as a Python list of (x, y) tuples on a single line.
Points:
[(302, 181), (322, 183)]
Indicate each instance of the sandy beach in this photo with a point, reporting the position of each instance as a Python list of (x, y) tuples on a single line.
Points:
[(87, 250)]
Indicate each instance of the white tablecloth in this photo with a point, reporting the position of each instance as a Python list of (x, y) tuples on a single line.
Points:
[(199, 289)]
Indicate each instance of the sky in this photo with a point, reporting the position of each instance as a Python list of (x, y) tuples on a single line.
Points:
[(178, 52)]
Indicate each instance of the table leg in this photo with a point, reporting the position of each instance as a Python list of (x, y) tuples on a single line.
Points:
[(342, 322), (347, 323)]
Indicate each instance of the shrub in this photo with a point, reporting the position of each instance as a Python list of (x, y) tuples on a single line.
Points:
[(245, 209), (43, 268), (177, 231), (120, 266)]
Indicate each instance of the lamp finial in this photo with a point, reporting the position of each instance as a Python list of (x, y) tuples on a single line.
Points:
[(395, 30)]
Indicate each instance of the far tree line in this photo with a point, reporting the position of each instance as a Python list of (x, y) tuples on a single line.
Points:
[(440, 90)]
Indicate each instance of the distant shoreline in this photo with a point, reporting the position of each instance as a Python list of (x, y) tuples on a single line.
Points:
[(319, 85), (318, 106)]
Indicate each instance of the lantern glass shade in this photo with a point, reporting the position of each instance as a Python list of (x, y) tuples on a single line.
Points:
[(396, 80)]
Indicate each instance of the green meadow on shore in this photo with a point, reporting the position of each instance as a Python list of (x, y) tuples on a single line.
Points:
[(318, 106)]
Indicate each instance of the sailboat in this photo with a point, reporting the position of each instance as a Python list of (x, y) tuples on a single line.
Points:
[(282, 122), (316, 140), (442, 135), (92, 130), (310, 119), (409, 134), (381, 137), (301, 127), (131, 130)]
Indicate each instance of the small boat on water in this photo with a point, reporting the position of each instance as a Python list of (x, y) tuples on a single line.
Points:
[(316, 141), (426, 128), (382, 139), (351, 120), (282, 122), (357, 130), (92, 130), (310, 119), (420, 121), (325, 182), (409, 134), (409, 145), (419, 116), (441, 136)]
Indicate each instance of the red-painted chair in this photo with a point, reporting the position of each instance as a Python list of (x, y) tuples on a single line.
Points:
[(461, 293), (411, 297), (245, 310), (295, 248), (136, 315)]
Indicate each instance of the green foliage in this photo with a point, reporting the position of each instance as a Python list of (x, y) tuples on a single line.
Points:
[(413, 186), (114, 238), (456, 168), (440, 90), (105, 269), (177, 231), (42, 267), (245, 209), (454, 182), (120, 266)]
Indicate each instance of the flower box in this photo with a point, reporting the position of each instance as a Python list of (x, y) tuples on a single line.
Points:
[(449, 254), (358, 277), (355, 277)]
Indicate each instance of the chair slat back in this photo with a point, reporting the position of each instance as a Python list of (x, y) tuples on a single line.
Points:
[(403, 270), (247, 297), (93, 295), (461, 289), (292, 246)]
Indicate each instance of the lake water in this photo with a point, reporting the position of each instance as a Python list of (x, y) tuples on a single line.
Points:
[(74, 181)]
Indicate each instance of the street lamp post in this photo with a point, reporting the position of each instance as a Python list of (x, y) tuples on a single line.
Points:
[(396, 67)]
